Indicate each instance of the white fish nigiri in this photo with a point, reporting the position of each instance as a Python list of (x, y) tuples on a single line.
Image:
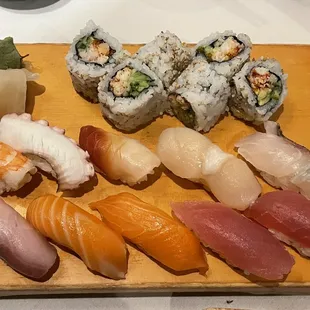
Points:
[(190, 155), (118, 157), (281, 162)]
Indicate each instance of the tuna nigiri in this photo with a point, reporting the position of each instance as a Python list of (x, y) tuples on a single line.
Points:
[(153, 231), (287, 215), (118, 157), (190, 155), (101, 249), (15, 169), (22, 247), (241, 242), (281, 162)]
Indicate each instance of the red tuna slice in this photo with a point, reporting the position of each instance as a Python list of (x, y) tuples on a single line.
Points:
[(287, 215), (241, 242)]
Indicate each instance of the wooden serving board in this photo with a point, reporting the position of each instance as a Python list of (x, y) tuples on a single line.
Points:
[(54, 99)]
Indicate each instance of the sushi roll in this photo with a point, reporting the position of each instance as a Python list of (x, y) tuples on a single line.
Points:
[(258, 91), (199, 96), (92, 55), (131, 95), (226, 52), (166, 56)]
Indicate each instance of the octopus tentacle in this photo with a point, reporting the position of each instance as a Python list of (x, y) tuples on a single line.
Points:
[(64, 159)]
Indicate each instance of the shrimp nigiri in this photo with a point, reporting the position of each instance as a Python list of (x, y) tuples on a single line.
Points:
[(153, 231), (15, 169), (101, 249), (118, 157), (190, 155)]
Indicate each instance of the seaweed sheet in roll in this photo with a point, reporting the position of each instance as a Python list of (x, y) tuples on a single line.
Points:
[(258, 90)]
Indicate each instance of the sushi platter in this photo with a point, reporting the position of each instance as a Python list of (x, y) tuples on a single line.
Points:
[(122, 227)]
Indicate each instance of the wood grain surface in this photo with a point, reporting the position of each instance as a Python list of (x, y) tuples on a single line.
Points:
[(54, 99)]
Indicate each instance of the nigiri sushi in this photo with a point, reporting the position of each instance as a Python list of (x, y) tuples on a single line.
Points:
[(48, 148), (118, 157), (281, 162), (241, 242), (153, 231), (100, 248), (287, 215), (15, 169), (190, 155), (22, 247)]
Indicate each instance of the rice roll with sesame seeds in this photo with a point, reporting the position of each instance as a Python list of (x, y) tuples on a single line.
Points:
[(199, 96), (258, 90), (166, 56), (92, 55), (131, 96), (226, 52)]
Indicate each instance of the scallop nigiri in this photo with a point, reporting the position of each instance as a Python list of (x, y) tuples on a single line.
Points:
[(101, 249), (190, 155), (281, 162), (153, 231), (15, 169), (241, 242), (118, 157), (22, 247), (287, 215)]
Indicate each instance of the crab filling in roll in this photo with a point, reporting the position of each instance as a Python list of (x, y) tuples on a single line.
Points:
[(92, 50), (266, 85), (129, 82), (221, 50), (182, 110)]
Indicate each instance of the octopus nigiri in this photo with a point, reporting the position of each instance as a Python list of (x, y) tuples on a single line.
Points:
[(241, 242), (118, 157), (15, 169), (48, 148), (153, 231), (281, 162), (190, 155), (287, 215), (22, 247), (100, 248)]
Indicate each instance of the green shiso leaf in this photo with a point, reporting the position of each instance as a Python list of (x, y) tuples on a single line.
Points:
[(9, 55)]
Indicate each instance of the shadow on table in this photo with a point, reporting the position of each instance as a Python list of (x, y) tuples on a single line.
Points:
[(24, 5)]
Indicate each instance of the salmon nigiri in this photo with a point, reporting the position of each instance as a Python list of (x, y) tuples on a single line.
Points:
[(153, 231), (101, 249)]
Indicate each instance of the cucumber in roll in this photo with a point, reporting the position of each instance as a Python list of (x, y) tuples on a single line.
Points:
[(131, 96), (92, 55), (199, 96), (258, 90), (225, 52)]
